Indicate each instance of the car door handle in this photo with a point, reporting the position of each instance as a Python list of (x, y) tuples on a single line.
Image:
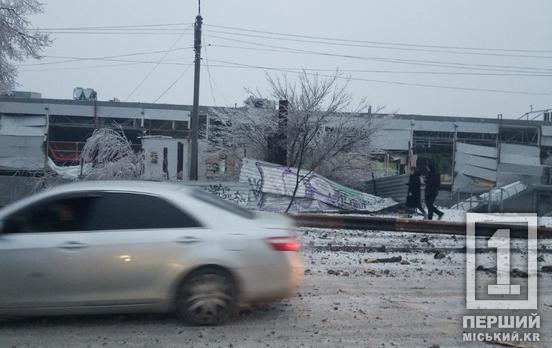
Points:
[(72, 245), (188, 240)]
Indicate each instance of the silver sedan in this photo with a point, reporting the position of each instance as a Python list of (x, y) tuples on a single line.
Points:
[(129, 246)]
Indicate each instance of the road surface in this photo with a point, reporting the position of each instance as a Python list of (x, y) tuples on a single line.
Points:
[(344, 301)]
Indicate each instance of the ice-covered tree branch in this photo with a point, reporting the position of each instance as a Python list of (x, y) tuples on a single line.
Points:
[(17, 40)]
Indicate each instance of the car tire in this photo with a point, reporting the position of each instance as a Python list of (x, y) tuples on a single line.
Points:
[(206, 297)]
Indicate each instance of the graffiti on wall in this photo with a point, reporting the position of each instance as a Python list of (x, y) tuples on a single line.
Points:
[(269, 178), (227, 193)]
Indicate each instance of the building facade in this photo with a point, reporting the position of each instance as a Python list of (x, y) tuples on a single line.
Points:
[(472, 154)]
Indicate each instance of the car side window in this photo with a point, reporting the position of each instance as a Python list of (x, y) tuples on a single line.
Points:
[(51, 215), (125, 211)]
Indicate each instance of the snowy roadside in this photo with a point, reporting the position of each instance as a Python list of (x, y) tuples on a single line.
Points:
[(452, 215)]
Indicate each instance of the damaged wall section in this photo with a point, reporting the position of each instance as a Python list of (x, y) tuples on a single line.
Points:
[(273, 185), (22, 142)]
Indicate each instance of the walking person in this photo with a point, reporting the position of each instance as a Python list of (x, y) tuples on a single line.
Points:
[(413, 198), (432, 182)]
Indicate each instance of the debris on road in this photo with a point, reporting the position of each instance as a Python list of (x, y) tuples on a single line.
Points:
[(439, 255), (515, 272), (384, 259)]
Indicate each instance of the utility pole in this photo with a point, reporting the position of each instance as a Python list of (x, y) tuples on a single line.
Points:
[(195, 108)]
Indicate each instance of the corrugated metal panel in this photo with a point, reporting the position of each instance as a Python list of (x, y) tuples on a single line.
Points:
[(479, 172), (546, 141), (485, 151), (495, 195), (521, 169), (519, 159), (474, 162), (21, 152), (465, 184), (22, 125), (463, 159), (280, 180), (390, 186), (547, 131), (515, 149), (508, 178)]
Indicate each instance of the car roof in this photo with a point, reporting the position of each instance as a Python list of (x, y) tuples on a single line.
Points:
[(119, 185)]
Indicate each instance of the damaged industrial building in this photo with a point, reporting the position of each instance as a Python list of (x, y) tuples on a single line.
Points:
[(486, 163)]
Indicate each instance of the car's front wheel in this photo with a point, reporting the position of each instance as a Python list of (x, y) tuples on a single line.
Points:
[(206, 297)]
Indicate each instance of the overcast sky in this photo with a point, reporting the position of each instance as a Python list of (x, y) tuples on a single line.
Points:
[(401, 44)]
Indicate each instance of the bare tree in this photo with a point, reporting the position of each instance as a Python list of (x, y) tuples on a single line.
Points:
[(323, 126), (17, 40), (325, 130)]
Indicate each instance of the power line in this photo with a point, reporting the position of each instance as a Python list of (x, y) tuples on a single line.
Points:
[(210, 78), (459, 65), (380, 42), (396, 60), (116, 60), (156, 65), (97, 66), (112, 33), (402, 72), (159, 26), (215, 83), (174, 83), (379, 46), (118, 26), (390, 82), (66, 59)]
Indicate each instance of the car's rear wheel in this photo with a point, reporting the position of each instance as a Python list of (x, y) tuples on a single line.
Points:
[(206, 297)]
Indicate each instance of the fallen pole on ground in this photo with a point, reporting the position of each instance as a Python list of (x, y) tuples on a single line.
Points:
[(376, 223)]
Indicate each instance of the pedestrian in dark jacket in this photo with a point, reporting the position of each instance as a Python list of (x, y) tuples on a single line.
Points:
[(414, 197), (432, 182)]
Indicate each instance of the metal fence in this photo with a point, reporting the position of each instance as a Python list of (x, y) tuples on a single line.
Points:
[(395, 187)]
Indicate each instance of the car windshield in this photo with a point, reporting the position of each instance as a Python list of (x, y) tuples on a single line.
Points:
[(223, 204)]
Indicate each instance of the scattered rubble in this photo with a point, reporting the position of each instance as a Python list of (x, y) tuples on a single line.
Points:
[(515, 272), (439, 255), (384, 259)]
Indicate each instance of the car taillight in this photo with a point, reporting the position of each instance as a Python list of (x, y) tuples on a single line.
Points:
[(284, 243)]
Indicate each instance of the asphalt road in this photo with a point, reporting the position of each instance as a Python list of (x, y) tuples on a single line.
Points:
[(344, 301)]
